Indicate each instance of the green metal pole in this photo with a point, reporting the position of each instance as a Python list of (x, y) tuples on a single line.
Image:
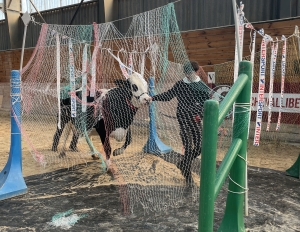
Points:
[(208, 166), (233, 220), (231, 96), (226, 164)]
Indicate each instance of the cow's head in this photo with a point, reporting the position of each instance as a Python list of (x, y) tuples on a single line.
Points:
[(138, 89)]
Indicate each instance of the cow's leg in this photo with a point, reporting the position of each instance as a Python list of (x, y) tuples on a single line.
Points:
[(107, 147), (104, 136), (62, 153), (100, 128), (120, 150), (64, 120), (107, 150)]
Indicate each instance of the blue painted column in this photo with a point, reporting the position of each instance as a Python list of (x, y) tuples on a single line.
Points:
[(154, 145), (12, 182)]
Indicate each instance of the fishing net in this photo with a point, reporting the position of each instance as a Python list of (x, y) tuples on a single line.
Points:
[(73, 65)]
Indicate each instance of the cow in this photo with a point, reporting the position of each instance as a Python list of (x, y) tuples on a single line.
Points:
[(118, 107), (90, 120)]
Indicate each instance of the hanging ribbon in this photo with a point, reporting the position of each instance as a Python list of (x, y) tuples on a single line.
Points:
[(154, 51), (130, 64), (261, 32), (124, 72), (250, 26), (94, 60), (58, 78), (84, 79), (143, 62), (124, 68), (94, 72), (72, 79), (253, 49), (261, 90), (283, 61), (272, 75), (240, 16), (252, 60)]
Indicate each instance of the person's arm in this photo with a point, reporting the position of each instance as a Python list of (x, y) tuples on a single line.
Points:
[(207, 94), (201, 94), (166, 96), (205, 91)]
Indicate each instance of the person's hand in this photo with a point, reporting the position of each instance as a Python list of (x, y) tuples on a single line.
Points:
[(197, 118)]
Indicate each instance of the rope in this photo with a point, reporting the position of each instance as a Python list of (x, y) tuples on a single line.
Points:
[(246, 189), (245, 106)]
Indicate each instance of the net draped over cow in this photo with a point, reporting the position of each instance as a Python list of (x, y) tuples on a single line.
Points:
[(93, 76)]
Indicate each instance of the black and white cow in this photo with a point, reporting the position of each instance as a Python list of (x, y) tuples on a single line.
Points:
[(89, 118), (118, 107)]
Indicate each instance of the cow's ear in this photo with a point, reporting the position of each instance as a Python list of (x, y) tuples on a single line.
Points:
[(97, 94), (122, 83)]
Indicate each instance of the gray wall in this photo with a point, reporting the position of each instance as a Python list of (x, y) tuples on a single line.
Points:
[(200, 14), (191, 14), (4, 37)]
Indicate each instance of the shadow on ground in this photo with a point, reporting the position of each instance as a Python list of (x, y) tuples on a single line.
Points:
[(74, 200)]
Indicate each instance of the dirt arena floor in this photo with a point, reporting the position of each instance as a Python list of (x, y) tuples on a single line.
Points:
[(273, 155), (88, 198)]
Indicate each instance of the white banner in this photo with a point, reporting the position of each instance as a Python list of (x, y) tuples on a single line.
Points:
[(290, 103)]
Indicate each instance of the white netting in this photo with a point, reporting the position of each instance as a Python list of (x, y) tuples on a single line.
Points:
[(57, 56), (161, 154)]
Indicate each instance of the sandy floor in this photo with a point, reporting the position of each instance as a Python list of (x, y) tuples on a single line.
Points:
[(272, 155)]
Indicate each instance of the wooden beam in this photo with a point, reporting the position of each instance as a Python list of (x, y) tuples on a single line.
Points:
[(12, 15), (111, 10)]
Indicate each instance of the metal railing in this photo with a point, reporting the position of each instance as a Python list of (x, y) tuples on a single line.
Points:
[(212, 181)]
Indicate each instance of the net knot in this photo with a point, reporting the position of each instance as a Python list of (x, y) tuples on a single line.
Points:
[(33, 19)]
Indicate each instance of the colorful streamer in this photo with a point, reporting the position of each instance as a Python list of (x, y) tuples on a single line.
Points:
[(130, 64), (94, 61), (272, 74), (283, 61), (72, 80), (240, 15), (84, 78), (58, 79), (261, 90)]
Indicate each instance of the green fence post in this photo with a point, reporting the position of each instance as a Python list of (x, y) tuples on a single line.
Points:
[(208, 166), (233, 220)]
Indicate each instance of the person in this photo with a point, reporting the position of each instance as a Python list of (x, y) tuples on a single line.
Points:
[(191, 93)]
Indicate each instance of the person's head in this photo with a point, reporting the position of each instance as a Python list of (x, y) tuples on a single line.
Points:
[(190, 67)]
